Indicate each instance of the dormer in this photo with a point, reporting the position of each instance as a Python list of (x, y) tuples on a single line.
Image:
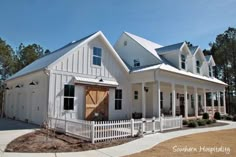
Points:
[(198, 61), (136, 51), (177, 55), (210, 64)]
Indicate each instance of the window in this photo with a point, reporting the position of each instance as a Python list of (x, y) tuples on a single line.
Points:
[(161, 100), (69, 93), (198, 66), (136, 63), (210, 71), (97, 56), (118, 99), (192, 101), (182, 61), (199, 101), (135, 95)]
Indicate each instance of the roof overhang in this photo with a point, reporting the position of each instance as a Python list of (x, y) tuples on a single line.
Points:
[(95, 81)]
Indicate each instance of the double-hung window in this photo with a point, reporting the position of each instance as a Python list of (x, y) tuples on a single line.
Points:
[(192, 101), (69, 93), (97, 56), (183, 59), (210, 71), (118, 99), (198, 66), (161, 100), (136, 95)]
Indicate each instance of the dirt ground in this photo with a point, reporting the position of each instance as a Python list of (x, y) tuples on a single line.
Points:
[(217, 144), (38, 142)]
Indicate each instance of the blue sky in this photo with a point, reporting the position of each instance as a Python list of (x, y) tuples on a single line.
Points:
[(54, 23)]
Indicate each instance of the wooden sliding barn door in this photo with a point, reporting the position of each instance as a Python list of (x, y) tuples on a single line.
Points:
[(96, 102)]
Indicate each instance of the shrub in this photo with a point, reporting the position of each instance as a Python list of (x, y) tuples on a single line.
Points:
[(205, 116), (228, 117), (234, 118), (192, 124), (213, 121), (217, 115), (209, 121), (223, 117), (185, 122), (201, 122)]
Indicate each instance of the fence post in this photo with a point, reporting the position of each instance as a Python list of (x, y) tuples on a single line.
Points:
[(181, 121), (143, 125), (132, 127), (92, 131), (161, 124), (153, 124)]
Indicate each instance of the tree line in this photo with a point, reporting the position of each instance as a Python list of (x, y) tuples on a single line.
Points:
[(12, 61), (223, 50)]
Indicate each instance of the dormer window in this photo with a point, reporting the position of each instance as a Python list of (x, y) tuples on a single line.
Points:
[(210, 71), (198, 67), (97, 56), (136, 63), (183, 61)]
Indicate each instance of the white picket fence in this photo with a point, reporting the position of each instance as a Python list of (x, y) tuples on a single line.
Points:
[(96, 131)]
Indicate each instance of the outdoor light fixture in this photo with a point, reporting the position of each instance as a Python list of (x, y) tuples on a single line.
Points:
[(18, 86), (7, 88), (33, 83), (146, 89), (101, 80)]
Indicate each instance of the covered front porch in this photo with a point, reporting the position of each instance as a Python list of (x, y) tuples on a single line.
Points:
[(173, 95)]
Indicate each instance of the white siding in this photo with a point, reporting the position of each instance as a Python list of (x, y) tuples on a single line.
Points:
[(173, 58), (132, 51), (82, 66), (28, 102)]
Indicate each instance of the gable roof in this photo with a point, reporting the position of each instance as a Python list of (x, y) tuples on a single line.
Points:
[(210, 58), (147, 44), (193, 49), (46, 61), (168, 48)]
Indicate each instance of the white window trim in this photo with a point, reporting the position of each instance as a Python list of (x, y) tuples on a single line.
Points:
[(93, 65)]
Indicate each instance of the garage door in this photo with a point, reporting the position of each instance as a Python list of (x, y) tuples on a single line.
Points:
[(36, 114), (96, 103)]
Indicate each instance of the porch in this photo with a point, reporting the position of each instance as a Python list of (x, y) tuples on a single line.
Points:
[(156, 98)]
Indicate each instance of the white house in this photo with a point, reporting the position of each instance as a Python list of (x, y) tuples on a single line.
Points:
[(89, 79)]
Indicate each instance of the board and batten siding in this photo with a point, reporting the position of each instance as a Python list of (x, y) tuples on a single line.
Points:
[(79, 63), (29, 101)]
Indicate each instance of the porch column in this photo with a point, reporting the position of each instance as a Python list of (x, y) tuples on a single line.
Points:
[(224, 102), (204, 99), (196, 101), (218, 101), (159, 98), (212, 103), (173, 100), (185, 102), (143, 101)]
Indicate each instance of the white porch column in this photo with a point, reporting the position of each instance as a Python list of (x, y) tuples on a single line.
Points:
[(224, 102), (185, 102), (212, 103), (218, 101), (173, 100), (204, 99), (159, 98), (196, 101), (143, 101)]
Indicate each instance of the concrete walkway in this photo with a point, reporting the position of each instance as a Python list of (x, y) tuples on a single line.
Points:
[(135, 146)]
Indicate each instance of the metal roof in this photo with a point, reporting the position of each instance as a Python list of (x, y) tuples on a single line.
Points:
[(168, 48)]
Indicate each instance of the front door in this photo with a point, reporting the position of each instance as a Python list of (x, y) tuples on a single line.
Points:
[(96, 103), (181, 104)]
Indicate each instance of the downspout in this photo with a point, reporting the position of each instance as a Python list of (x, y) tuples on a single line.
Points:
[(47, 73)]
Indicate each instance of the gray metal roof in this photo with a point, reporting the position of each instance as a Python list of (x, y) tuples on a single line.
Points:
[(46, 60), (168, 48), (208, 57), (193, 49)]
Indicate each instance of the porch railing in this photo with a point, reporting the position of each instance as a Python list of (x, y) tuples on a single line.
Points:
[(96, 131)]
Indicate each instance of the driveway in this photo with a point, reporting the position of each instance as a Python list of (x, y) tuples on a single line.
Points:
[(11, 129)]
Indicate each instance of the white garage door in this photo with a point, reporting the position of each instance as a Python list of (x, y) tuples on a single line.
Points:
[(37, 110)]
